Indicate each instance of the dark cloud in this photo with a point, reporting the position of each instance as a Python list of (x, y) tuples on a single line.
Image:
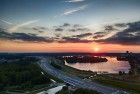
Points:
[(43, 28), (76, 25), (79, 27), (135, 26), (40, 29), (98, 35), (83, 35), (125, 40), (24, 37), (59, 29), (71, 28), (109, 28), (66, 25), (58, 35), (129, 36), (32, 34), (34, 28), (27, 37), (74, 40), (120, 25), (82, 29), (5, 35)]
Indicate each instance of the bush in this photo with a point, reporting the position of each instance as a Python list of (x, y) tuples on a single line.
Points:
[(85, 91), (65, 88), (64, 91)]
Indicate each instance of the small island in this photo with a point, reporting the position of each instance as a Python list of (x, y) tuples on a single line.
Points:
[(121, 58), (84, 59)]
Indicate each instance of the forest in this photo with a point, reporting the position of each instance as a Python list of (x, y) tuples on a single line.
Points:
[(21, 74)]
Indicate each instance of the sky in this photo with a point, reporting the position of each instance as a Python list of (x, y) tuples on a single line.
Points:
[(69, 25)]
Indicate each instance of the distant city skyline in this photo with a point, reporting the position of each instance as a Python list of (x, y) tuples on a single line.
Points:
[(69, 25)]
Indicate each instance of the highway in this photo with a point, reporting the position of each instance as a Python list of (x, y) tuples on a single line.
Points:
[(76, 81)]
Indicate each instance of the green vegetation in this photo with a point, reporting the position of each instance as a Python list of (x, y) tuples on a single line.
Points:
[(85, 91), (124, 85), (64, 91), (78, 91), (22, 74), (56, 65)]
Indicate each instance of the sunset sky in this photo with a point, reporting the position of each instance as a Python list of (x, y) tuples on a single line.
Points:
[(69, 25)]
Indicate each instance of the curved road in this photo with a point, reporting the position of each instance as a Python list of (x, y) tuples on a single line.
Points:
[(75, 81)]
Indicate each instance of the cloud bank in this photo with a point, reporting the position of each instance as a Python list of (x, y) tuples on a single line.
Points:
[(80, 34), (129, 36)]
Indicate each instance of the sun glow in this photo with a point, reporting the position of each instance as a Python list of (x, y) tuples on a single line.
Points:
[(96, 49)]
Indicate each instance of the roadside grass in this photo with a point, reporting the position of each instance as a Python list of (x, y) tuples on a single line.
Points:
[(78, 91), (79, 73), (72, 71), (64, 92), (126, 77), (132, 87), (85, 91)]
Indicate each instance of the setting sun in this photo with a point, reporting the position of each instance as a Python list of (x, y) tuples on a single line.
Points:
[(96, 49)]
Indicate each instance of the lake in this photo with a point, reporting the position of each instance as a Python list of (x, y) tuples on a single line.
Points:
[(111, 66)]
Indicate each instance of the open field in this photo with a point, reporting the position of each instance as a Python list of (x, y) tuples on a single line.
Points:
[(122, 84)]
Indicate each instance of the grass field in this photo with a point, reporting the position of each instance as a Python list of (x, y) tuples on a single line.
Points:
[(124, 85)]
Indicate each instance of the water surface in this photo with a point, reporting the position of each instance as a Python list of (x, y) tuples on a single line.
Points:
[(111, 66)]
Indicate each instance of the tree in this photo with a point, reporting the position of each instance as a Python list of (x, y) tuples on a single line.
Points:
[(120, 73)]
